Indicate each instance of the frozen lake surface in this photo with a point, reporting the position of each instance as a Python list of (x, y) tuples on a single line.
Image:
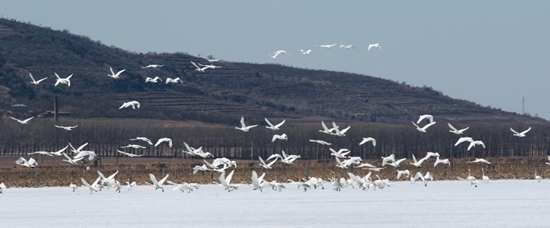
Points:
[(505, 203)]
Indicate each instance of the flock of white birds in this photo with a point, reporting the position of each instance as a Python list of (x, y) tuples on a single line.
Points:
[(275, 54), (220, 165)]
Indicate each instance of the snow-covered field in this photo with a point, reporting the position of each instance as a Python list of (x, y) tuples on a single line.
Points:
[(505, 203)]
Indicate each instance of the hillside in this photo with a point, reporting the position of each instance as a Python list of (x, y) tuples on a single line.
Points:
[(220, 95)]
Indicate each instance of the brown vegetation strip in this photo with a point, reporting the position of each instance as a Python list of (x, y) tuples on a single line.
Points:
[(180, 170)]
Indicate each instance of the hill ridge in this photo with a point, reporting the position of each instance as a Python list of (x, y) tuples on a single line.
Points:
[(237, 89)]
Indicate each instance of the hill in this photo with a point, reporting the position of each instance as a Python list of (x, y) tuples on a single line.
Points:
[(216, 96)]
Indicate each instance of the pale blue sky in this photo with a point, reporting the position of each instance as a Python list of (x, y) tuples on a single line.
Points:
[(491, 52)]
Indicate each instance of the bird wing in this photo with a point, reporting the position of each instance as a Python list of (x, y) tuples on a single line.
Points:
[(153, 179), (472, 144), (112, 175), (428, 125), (345, 130), (324, 126), (194, 64), (18, 120), (269, 123), (32, 77), (463, 139), (414, 159), (85, 183), (112, 72), (255, 180), (243, 125), (101, 175), (262, 161), (514, 131), (163, 179), (41, 80), (451, 126), (122, 152), (120, 71), (415, 125), (523, 132), (280, 124), (82, 147), (228, 178)]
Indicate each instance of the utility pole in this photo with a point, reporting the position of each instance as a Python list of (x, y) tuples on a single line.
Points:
[(55, 108), (523, 106)]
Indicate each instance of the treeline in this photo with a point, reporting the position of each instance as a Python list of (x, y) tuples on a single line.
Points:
[(105, 136)]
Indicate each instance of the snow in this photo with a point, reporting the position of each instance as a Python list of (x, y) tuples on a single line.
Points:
[(503, 203)]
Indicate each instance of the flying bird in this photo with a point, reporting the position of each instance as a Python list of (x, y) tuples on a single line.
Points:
[(375, 45), (129, 154), (425, 116), (135, 146), (197, 68), (66, 128), (454, 130), (117, 75), (324, 143), (273, 127), (277, 53), (368, 139), (143, 139), (152, 66), (130, 103), (66, 81), (153, 80), (520, 134), (306, 52), (36, 82), (346, 46), (22, 121), (423, 129), (161, 140), (327, 46), (480, 160), (244, 127), (174, 81), (279, 137)]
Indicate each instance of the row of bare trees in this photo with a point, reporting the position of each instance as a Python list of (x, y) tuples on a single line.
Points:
[(105, 136)]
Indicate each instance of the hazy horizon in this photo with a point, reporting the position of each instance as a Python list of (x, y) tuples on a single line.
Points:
[(493, 53)]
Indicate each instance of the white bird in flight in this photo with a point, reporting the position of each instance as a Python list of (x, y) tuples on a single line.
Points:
[(129, 154), (441, 161), (375, 45), (279, 137), (135, 146), (425, 116), (117, 75), (22, 121), (211, 66), (161, 140), (134, 104), (423, 129), (324, 143), (226, 181), (274, 127), (368, 139), (66, 128), (66, 81), (198, 68), (173, 81), (92, 187), (277, 53), (520, 134), (480, 160), (476, 143), (327, 46), (143, 139), (212, 60), (36, 82), (456, 131), (306, 52), (158, 184), (31, 163), (346, 46), (244, 127), (266, 165), (152, 66), (153, 80)]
